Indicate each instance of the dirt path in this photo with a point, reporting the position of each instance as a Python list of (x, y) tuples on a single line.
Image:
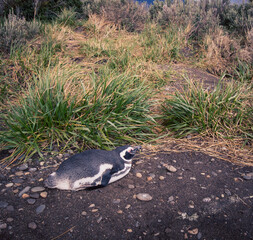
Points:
[(206, 198)]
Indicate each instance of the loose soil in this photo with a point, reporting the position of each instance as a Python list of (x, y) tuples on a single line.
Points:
[(206, 198)]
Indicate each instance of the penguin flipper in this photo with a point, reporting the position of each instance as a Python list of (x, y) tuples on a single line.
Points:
[(106, 178)]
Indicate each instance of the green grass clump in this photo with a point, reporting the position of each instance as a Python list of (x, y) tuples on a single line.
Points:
[(59, 108), (225, 111)]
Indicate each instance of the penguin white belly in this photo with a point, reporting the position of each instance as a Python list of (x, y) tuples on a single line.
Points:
[(94, 180), (120, 174)]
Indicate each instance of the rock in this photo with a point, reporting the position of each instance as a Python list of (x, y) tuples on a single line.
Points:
[(34, 195), (25, 190), (9, 185), (139, 175), (167, 230), (248, 176), (127, 206), (15, 191), (32, 225), (37, 189), (20, 173), (9, 219), (207, 199), (18, 180), (84, 213), (32, 169), (25, 195), (23, 167), (10, 208), (119, 211), (40, 209), (99, 219), (144, 197), (149, 178), (92, 205), (193, 231), (170, 168), (43, 194), (199, 236), (228, 192), (116, 201), (3, 204), (161, 178), (94, 210), (131, 186), (31, 201), (3, 226), (129, 230), (171, 198)]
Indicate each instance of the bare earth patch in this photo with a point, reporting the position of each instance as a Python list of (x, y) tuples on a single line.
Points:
[(202, 198)]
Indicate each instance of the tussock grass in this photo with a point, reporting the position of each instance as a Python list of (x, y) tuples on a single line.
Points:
[(60, 108), (225, 111)]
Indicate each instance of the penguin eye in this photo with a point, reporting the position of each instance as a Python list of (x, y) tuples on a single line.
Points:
[(130, 150)]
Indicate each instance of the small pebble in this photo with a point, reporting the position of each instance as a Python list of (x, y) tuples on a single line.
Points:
[(144, 197), (228, 192), (9, 185), (25, 195), (161, 178), (92, 205), (94, 210), (193, 231), (116, 201), (43, 194), (32, 169), (119, 211), (84, 213), (23, 167), (171, 198), (32, 225), (3, 226), (149, 178), (31, 201), (40, 209), (199, 236), (248, 176), (170, 168), (139, 175), (131, 186), (207, 199), (34, 195), (19, 173), (99, 219), (9, 219), (25, 190), (129, 230), (127, 206), (37, 189)]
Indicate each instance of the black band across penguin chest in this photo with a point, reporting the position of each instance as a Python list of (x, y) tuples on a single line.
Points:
[(121, 172)]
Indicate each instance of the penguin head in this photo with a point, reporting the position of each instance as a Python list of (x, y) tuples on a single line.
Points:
[(127, 152)]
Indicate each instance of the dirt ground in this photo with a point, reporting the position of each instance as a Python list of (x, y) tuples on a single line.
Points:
[(206, 198)]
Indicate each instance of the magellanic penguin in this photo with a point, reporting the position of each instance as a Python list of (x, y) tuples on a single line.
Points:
[(92, 168)]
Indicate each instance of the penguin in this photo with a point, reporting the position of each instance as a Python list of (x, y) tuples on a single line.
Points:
[(92, 168)]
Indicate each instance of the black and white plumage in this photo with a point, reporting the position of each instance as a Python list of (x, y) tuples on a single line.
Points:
[(92, 168)]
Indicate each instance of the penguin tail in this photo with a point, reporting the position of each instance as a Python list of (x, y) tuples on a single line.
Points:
[(51, 182)]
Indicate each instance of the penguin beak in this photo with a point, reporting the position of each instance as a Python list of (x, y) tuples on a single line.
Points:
[(135, 149)]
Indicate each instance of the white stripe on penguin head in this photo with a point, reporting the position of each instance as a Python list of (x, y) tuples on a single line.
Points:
[(123, 153)]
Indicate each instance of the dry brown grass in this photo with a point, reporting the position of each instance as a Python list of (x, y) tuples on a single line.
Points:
[(228, 150)]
